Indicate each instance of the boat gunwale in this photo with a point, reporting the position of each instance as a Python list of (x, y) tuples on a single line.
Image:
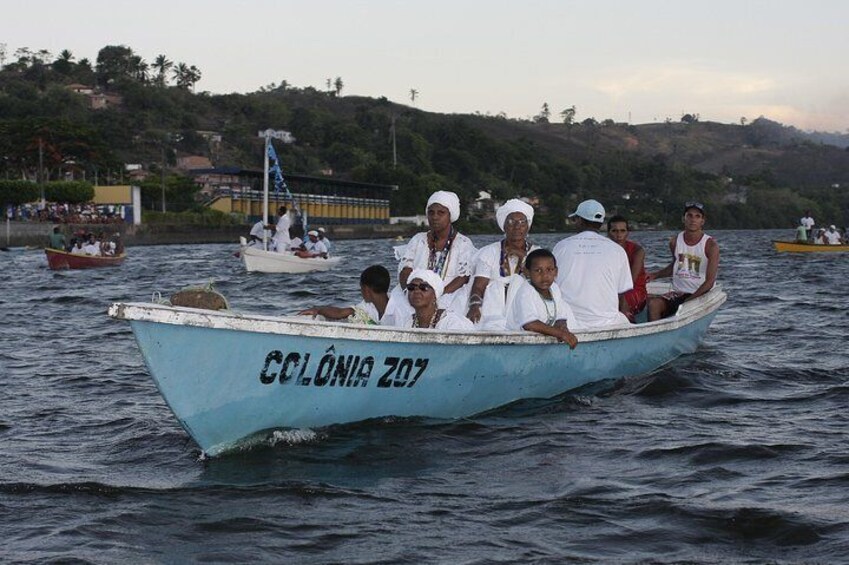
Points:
[(301, 326), (50, 250), (783, 246)]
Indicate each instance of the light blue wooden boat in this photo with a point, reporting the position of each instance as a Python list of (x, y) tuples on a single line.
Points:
[(233, 378)]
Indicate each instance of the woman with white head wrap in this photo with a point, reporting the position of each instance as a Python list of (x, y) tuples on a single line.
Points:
[(498, 267), (424, 289), (441, 249)]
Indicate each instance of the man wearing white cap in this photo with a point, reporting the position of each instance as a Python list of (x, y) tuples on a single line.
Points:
[(322, 237), (498, 267), (832, 236), (313, 246), (441, 249), (593, 271)]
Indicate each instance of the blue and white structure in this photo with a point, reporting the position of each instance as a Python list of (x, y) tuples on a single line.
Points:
[(232, 377)]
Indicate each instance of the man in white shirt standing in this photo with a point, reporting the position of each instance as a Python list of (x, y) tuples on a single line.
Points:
[(809, 223), (281, 237), (593, 271)]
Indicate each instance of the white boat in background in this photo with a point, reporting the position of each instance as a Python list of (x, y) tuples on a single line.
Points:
[(257, 260), (264, 260), (232, 378)]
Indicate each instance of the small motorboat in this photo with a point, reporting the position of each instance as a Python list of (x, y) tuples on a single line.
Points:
[(60, 260), (802, 247), (234, 378), (258, 260)]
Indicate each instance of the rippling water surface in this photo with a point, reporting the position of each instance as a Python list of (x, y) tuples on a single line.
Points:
[(736, 454)]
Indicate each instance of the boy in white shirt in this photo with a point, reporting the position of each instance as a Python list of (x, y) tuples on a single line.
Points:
[(375, 308), (539, 306)]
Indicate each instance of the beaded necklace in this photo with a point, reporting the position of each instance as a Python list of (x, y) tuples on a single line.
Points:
[(433, 321), (550, 317), (438, 260), (505, 269)]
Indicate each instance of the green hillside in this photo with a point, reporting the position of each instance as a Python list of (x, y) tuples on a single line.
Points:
[(760, 174)]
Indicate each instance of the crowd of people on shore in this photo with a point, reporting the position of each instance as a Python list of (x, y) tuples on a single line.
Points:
[(83, 243), (65, 213), (807, 232), (283, 237), (587, 281)]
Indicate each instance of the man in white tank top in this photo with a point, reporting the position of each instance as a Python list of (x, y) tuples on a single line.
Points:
[(695, 263)]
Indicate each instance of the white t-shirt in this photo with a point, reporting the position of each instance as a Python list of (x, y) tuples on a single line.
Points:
[(592, 272), (496, 299), (448, 322), (258, 229), (281, 238), (832, 237), (808, 222), (92, 248), (315, 247), (529, 306), (296, 243), (77, 251)]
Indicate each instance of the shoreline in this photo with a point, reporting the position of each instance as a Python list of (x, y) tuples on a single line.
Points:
[(34, 234)]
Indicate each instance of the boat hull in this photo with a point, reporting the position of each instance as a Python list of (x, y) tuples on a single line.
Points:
[(260, 261), (795, 247), (228, 377), (60, 260)]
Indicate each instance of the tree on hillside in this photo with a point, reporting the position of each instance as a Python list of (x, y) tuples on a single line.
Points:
[(413, 95), (568, 115), (3, 48), (114, 62), (544, 114), (139, 68), (689, 118), (162, 65), (64, 63), (186, 76), (338, 84)]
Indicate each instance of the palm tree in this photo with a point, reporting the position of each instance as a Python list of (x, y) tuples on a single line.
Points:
[(139, 68), (186, 76), (338, 84), (413, 94), (162, 66)]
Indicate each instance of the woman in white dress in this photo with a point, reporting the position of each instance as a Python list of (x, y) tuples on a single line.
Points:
[(441, 249), (498, 266), (424, 288)]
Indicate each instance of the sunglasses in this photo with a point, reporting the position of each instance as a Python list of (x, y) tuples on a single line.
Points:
[(424, 287), (694, 204)]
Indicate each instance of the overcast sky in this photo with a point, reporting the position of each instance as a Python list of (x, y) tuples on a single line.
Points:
[(640, 60)]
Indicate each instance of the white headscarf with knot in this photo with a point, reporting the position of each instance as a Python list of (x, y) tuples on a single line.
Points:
[(447, 199), (431, 278), (514, 205)]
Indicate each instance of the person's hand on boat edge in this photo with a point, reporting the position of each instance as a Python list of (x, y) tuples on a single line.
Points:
[(563, 334)]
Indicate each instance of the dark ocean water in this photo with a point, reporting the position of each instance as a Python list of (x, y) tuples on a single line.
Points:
[(736, 454)]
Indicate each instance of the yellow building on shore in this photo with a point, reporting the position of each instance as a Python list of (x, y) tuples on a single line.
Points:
[(325, 201)]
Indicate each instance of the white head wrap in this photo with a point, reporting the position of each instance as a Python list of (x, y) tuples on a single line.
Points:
[(514, 205), (447, 199), (312, 232), (431, 278)]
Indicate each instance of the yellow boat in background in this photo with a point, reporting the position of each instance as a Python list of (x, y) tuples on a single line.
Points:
[(797, 247)]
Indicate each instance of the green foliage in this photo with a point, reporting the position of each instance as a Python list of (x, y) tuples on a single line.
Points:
[(17, 192), (73, 192)]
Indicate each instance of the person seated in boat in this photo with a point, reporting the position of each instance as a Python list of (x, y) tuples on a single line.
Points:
[(539, 306), (92, 246), (257, 234), (77, 248), (442, 250), (498, 265), (633, 301), (593, 271), (107, 246), (322, 237), (832, 236), (801, 233), (375, 308), (819, 238), (424, 288), (312, 247), (694, 266), (296, 243), (56, 240)]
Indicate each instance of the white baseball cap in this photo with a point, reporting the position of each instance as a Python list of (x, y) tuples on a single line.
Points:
[(590, 210)]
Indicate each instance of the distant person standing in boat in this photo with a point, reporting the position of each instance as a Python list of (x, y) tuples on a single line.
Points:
[(56, 240), (375, 308), (593, 271), (632, 302), (441, 249), (424, 289), (539, 306), (809, 223), (322, 237), (281, 235), (257, 234), (694, 266), (801, 233), (498, 265)]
